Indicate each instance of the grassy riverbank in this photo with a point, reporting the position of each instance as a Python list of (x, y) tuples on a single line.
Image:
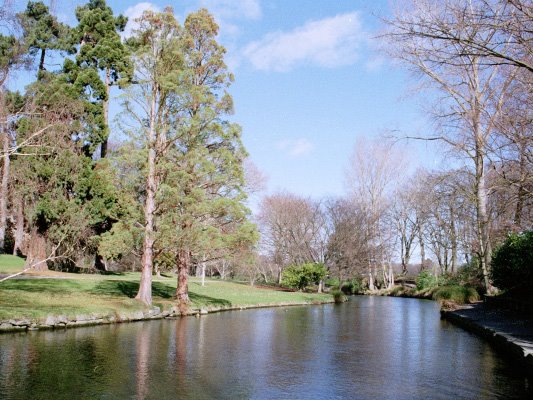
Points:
[(74, 294)]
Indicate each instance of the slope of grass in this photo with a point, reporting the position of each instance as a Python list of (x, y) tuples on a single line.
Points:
[(75, 294), (10, 264)]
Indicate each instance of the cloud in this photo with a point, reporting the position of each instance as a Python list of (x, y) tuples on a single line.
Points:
[(330, 42), (295, 148), (135, 12)]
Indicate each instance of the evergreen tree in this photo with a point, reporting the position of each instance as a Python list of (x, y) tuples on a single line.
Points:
[(101, 49), (42, 31)]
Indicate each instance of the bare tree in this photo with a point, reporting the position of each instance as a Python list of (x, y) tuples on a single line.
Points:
[(374, 168), (348, 250), (472, 90), (292, 230)]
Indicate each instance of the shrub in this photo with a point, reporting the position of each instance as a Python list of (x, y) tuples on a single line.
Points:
[(332, 282), (301, 276), (457, 294), (425, 280), (512, 262), (338, 296), (353, 286)]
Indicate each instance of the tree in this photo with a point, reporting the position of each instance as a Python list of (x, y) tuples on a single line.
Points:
[(12, 56), (473, 91), (42, 31), (507, 24), (101, 49), (158, 63), (404, 214), (371, 174), (208, 208), (292, 230), (348, 246)]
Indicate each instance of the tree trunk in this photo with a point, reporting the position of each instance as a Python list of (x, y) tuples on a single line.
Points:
[(105, 105), (145, 286), (202, 273), (182, 264), (481, 211), (18, 248), (422, 249), (453, 240), (36, 257), (41, 61), (371, 285), (4, 185)]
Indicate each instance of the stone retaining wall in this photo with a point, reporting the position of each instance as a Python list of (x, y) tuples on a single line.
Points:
[(63, 321)]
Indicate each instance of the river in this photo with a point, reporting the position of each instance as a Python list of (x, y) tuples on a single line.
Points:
[(367, 348)]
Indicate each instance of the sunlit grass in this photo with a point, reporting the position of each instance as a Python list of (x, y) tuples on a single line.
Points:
[(10, 264), (106, 294)]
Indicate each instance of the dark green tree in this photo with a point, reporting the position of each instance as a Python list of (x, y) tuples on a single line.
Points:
[(102, 50), (42, 31)]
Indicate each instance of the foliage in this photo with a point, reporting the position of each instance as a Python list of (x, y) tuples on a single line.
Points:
[(512, 262), (338, 296), (426, 280), (353, 286), (467, 275), (301, 276), (457, 294)]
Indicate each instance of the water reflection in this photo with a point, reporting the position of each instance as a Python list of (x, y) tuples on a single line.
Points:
[(369, 348)]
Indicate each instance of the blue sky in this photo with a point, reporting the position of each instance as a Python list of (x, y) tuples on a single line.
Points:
[(309, 82)]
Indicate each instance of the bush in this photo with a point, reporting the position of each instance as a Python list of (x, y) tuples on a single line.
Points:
[(338, 296), (332, 282), (301, 276), (512, 262), (425, 280), (353, 286), (457, 294)]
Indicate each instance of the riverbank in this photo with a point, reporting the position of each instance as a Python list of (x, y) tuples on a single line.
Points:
[(511, 334), (54, 300)]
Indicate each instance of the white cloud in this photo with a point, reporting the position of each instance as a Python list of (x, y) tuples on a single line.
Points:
[(231, 9), (295, 148), (330, 42), (135, 12)]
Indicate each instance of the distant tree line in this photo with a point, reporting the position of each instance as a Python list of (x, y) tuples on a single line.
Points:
[(475, 58)]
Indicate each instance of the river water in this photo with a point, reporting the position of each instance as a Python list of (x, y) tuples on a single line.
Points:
[(368, 348)]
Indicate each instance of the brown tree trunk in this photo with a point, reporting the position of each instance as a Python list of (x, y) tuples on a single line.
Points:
[(36, 257), (182, 263), (4, 185), (145, 285)]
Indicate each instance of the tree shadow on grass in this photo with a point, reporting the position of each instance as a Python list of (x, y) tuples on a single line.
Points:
[(130, 289), (208, 301), (42, 285)]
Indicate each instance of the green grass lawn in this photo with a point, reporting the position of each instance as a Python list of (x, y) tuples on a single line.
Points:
[(74, 294), (10, 264)]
